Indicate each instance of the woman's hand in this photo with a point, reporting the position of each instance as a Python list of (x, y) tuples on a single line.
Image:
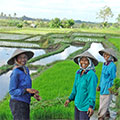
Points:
[(66, 103), (90, 112), (32, 91), (110, 90), (37, 97), (98, 88)]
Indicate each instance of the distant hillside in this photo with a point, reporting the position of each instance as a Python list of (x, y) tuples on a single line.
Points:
[(44, 19), (79, 21), (23, 18)]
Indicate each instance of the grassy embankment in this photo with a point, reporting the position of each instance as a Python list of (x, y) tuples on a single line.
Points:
[(47, 42), (57, 30)]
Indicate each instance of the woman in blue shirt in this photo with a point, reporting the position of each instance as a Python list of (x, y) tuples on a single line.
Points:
[(84, 88), (20, 85), (106, 82)]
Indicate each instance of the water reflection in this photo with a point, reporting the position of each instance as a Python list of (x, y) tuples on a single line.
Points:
[(89, 34), (5, 53), (60, 56), (16, 44), (37, 38), (94, 48), (13, 36), (4, 83)]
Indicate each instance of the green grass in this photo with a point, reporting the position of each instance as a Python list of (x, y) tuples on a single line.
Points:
[(5, 113), (57, 82), (35, 30), (55, 85), (115, 42), (5, 68), (57, 30)]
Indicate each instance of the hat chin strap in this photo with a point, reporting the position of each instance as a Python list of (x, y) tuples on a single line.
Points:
[(18, 65)]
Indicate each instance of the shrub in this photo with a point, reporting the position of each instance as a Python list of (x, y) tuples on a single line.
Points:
[(19, 25)]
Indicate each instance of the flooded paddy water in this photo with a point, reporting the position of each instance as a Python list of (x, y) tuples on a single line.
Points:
[(4, 83), (87, 39), (13, 36), (95, 47), (60, 56), (36, 38), (89, 34), (17, 44), (6, 52)]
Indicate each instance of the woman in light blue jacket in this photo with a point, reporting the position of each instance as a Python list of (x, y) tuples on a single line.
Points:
[(84, 88), (106, 82)]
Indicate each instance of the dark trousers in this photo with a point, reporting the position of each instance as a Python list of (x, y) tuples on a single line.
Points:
[(20, 110), (81, 115)]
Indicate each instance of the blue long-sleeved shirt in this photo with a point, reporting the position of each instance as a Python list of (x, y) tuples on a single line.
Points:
[(107, 78), (19, 81), (84, 90)]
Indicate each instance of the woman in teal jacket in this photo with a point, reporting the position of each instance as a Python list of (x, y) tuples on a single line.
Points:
[(84, 88), (106, 82)]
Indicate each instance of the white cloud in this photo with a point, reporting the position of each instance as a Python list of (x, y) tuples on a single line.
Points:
[(59, 8)]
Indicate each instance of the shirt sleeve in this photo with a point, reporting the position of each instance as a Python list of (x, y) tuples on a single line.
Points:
[(112, 75), (73, 93), (92, 90), (100, 77), (13, 87)]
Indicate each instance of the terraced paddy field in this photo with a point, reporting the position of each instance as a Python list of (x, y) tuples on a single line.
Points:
[(55, 80)]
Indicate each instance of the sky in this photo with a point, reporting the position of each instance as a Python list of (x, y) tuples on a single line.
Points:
[(85, 10)]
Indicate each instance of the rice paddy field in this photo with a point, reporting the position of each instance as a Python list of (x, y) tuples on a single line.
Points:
[(57, 30), (116, 42), (55, 81), (55, 85)]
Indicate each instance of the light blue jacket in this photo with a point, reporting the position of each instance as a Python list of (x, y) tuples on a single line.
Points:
[(19, 81), (107, 77), (84, 90)]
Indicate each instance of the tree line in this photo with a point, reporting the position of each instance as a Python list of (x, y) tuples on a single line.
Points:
[(104, 14)]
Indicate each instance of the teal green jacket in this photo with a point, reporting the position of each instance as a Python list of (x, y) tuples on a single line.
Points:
[(107, 78), (84, 90)]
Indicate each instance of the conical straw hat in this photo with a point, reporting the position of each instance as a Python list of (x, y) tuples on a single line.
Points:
[(18, 52), (86, 54)]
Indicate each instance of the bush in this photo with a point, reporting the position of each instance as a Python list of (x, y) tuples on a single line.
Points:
[(116, 86), (19, 25)]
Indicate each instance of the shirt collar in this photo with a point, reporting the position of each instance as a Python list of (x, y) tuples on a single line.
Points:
[(79, 71), (107, 63)]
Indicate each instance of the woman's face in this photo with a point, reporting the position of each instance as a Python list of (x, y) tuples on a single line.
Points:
[(106, 56), (84, 62), (22, 59)]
